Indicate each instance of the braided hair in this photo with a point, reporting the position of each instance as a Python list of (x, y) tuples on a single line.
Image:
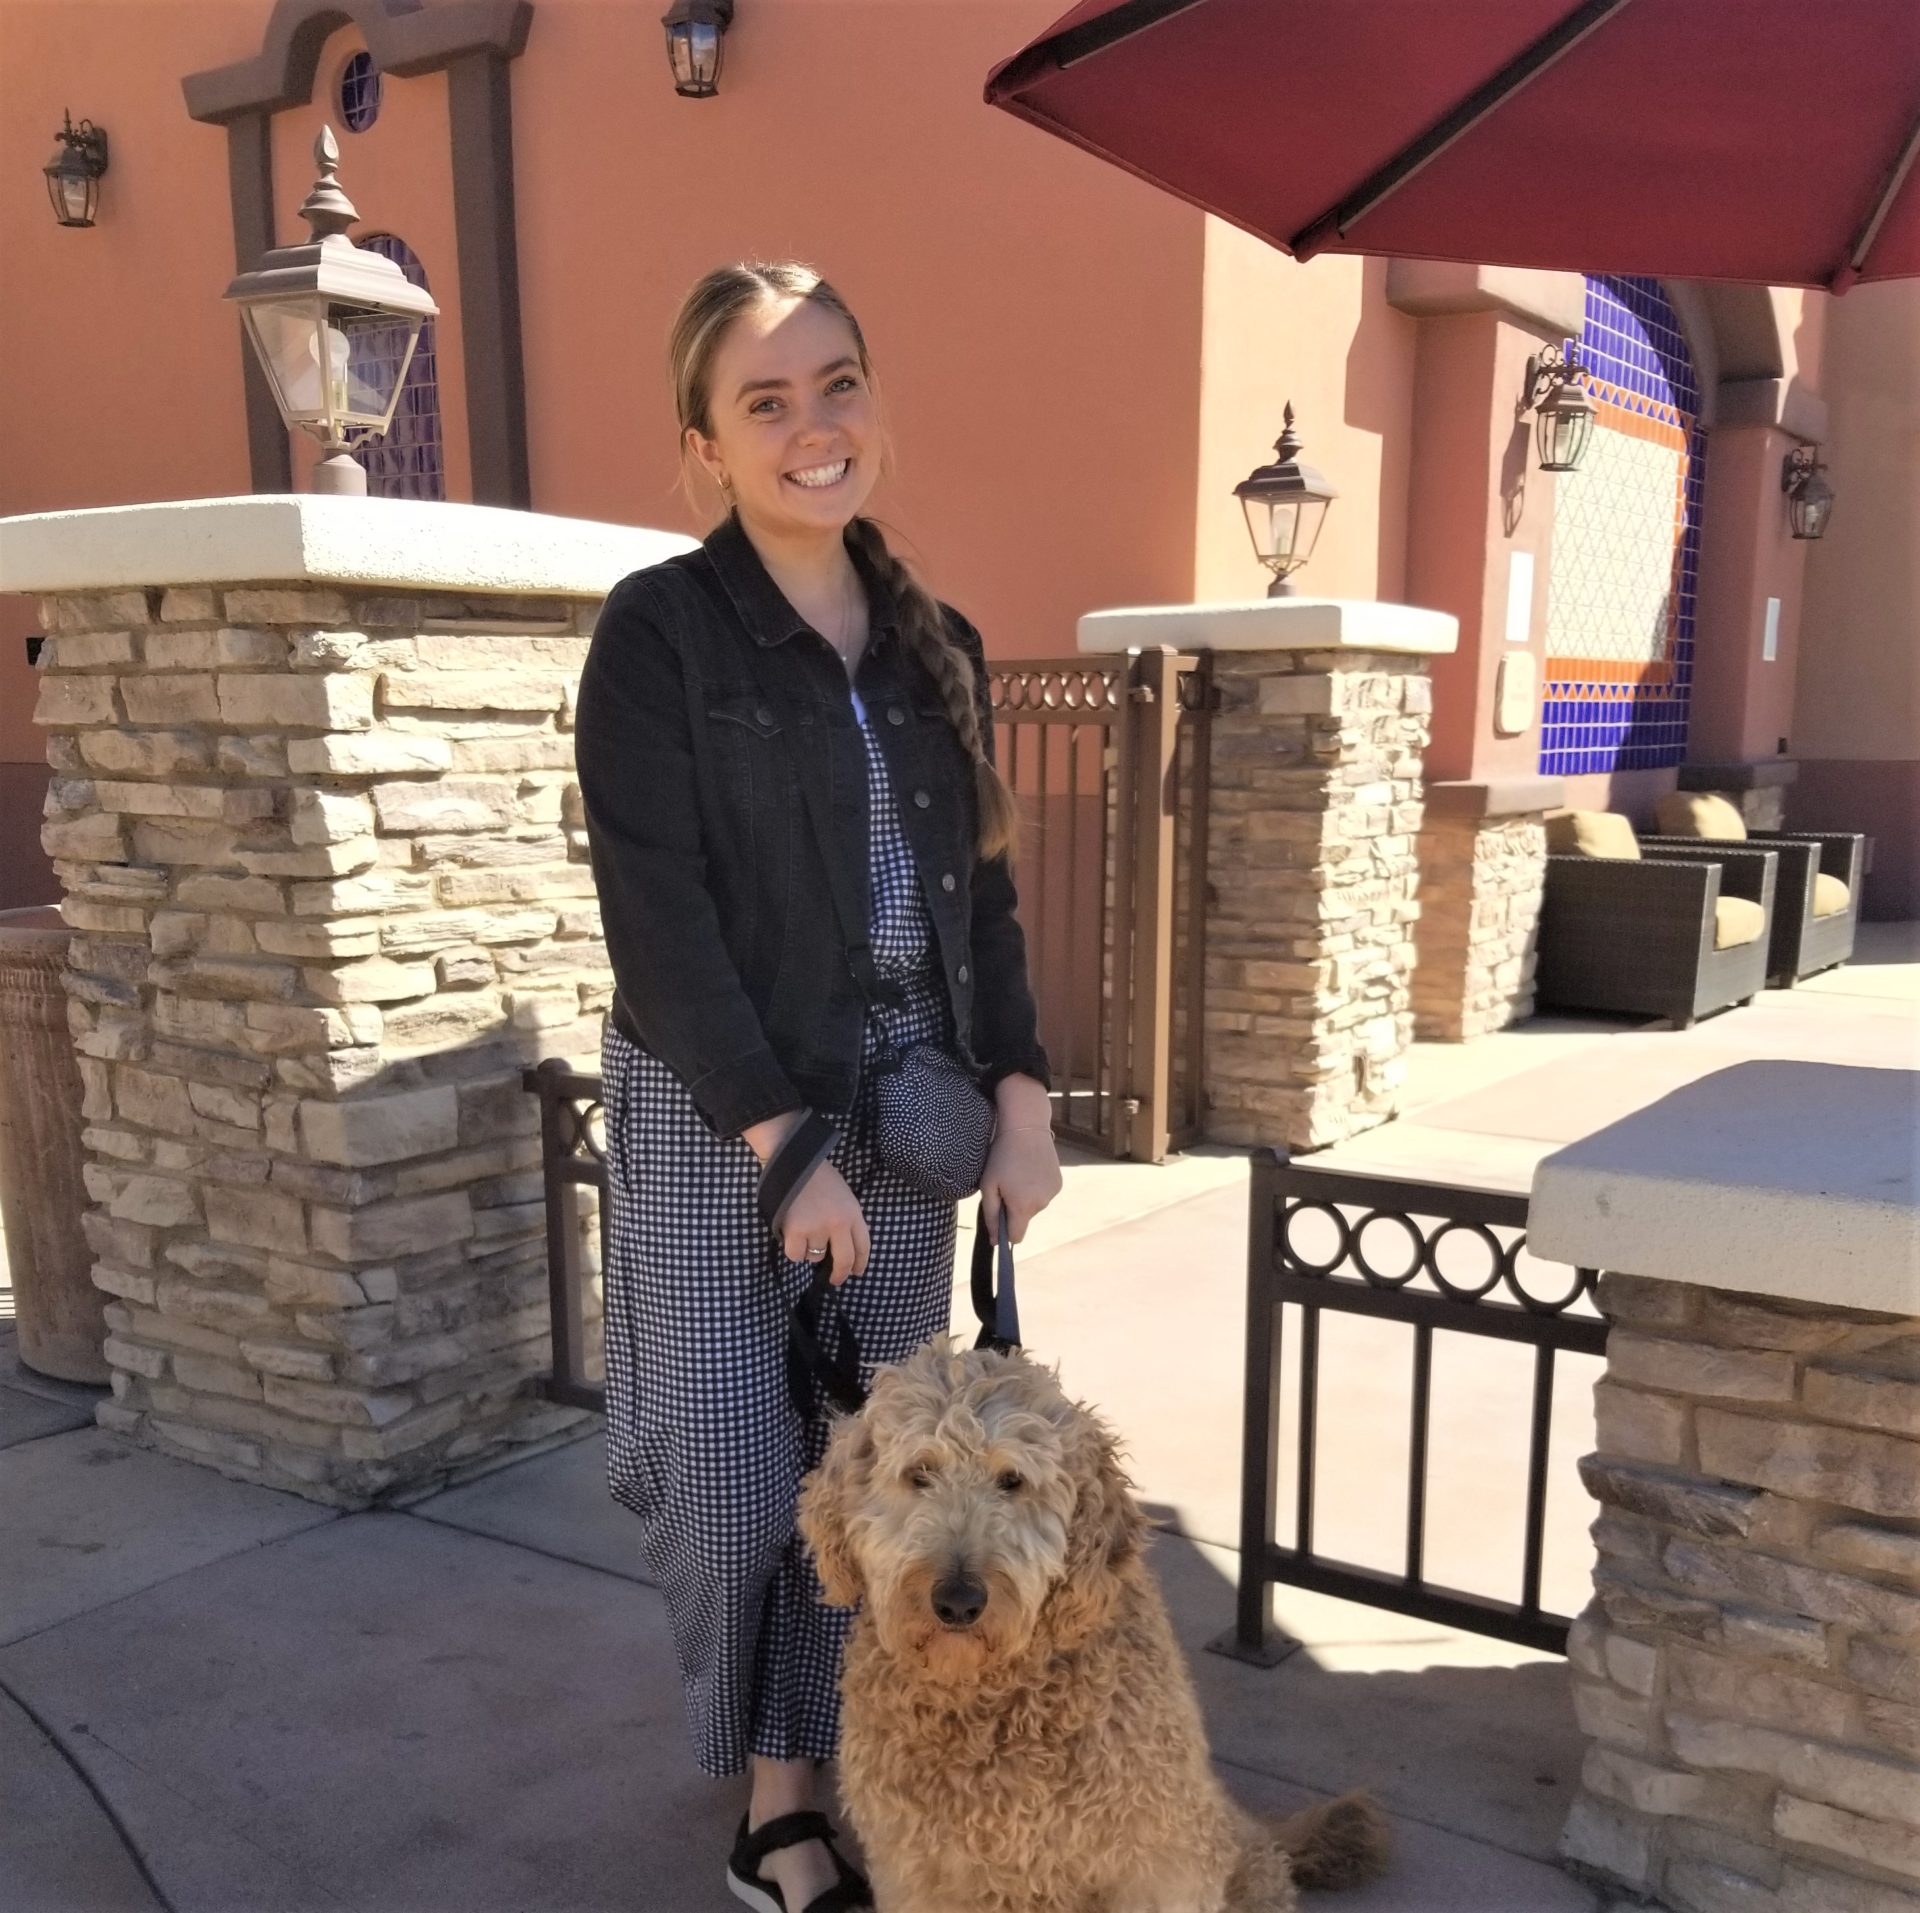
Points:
[(704, 316)]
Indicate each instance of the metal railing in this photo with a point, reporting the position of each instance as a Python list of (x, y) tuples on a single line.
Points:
[(1425, 1293), (573, 1157), (1108, 759)]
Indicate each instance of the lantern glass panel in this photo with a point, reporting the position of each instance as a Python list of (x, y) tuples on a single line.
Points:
[(1274, 524), (73, 195), (1563, 433), (1810, 507), (335, 368), (694, 49)]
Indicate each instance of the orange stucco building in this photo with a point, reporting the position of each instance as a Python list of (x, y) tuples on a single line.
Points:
[(1077, 368)]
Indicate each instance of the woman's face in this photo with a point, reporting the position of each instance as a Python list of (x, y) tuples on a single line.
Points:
[(794, 424)]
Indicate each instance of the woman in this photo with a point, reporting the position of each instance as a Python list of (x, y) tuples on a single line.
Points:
[(780, 715)]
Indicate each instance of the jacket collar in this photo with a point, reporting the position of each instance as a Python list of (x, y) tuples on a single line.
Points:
[(762, 605)]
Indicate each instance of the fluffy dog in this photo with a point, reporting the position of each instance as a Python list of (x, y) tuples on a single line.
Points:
[(1020, 1731)]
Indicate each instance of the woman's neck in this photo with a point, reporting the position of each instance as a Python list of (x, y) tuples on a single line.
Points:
[(810, 569)]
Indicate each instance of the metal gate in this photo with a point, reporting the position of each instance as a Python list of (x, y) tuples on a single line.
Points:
[(1108, 759), (1425, 1287)]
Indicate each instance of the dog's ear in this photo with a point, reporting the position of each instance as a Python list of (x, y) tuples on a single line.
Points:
[(1106, 1532), (828, 1498)]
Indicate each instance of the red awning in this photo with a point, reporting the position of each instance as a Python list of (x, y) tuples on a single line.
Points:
[(1773, 141)]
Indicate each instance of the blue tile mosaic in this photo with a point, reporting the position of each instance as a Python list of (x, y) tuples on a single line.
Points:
[(1631, 340)]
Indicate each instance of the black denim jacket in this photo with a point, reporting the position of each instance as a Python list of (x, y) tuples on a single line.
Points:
[(706, 698)]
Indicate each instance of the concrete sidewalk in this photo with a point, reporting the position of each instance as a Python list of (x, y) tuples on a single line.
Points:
[(219, 1699)]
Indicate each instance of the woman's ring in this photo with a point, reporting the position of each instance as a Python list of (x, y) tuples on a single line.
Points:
[(813, 1254)]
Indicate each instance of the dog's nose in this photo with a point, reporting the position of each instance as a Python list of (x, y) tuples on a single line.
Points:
[(959, 1599)]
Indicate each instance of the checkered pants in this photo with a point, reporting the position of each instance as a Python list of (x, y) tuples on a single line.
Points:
[(702, 1441)]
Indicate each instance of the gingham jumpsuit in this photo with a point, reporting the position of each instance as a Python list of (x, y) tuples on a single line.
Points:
[(702, 1441)]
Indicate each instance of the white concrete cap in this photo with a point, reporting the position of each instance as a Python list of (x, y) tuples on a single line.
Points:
[(1274, 624), (1786, 1179), (277, 537)]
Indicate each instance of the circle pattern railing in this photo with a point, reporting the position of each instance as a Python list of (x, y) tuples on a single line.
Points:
[(1420, 1255), (1094, 688)]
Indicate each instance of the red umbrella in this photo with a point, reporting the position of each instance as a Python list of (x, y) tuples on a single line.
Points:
[(1762, 140)]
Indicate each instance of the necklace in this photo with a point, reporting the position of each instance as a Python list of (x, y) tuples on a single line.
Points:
[(852, 617)]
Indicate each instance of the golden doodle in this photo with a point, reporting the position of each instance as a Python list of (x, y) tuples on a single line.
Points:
[(1020, 1732)]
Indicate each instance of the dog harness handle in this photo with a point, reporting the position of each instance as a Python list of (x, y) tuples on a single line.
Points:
[(999, 1313)]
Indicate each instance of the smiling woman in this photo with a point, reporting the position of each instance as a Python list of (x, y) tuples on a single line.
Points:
[(803, 853)]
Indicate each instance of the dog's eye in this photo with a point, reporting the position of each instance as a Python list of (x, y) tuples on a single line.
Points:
[(1011, 1482), (920, 1480)]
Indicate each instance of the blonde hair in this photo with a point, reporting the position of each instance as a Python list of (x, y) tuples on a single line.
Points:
[(723, 296)]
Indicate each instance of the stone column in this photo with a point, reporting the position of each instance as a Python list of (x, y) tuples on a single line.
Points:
[(1483, 865), (1315, 809), (1748, 1672), (315, 825)]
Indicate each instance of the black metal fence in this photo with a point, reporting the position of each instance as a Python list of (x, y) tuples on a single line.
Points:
[(1353, 1270), (573, 1157)]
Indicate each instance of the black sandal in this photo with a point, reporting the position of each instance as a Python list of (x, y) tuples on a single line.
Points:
[(848, 1894)]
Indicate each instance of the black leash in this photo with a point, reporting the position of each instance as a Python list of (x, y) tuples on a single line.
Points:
[(826, 1355)]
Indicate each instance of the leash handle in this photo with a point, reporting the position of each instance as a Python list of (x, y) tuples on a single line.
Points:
[(996, 1305), (810, 1361)]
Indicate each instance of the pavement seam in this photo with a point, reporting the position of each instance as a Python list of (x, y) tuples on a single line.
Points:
[(1395, 1813), (106, 1806), (133, 1594), (526, 1547)]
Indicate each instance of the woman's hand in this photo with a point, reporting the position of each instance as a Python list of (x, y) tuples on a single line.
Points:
[(824, 1213), (1023, 1171)]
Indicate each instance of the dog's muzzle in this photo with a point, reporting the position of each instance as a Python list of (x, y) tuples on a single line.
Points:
[(959, 1599)]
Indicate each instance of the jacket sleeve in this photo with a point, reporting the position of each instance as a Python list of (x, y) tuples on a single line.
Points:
[(1005, 1020), (671, 966)]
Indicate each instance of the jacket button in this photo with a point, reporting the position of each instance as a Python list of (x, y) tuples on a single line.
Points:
[(961, 973), (921, 800), (762, 715), (946, 882), (895, 715)]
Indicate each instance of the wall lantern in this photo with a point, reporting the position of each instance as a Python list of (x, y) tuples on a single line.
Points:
[(334, 327), (1557, 396), (73, 173), (696, 39), (1809, 496), (1286, 503)]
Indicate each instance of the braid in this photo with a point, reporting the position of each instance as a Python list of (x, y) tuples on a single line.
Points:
[(925, 631)]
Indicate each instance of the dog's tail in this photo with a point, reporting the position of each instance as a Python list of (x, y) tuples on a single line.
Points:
[(1342, 1843)]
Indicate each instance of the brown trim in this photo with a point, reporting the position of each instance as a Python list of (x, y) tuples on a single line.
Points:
[(1762, 773), (480, 111), (1494, 797), (250, 189), (472, 41), (404, 38)]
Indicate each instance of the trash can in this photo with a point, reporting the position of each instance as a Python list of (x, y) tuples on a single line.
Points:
[(42, 1196)]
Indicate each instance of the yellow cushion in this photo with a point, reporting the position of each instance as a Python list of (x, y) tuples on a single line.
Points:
[(1700, 813), (1736, 921), (1829, 896), (1591, 833)]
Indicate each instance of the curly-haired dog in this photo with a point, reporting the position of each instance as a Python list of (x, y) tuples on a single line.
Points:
[(1020, 1730)]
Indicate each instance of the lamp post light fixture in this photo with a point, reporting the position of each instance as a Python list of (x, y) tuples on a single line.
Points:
[(335, 328), (73, 173), (1809, 496), (1286, 504), (696, 41), (1556, 394)]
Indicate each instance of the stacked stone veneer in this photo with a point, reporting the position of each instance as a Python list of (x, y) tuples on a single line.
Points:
[(1749, 1671), (1316, 785), (1481, 881), (330, 897)]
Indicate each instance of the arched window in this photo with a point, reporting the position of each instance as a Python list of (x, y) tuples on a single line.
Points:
[(1626, 545), (407, 463)]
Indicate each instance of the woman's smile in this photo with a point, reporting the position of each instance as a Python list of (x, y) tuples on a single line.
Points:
[(820, 478)]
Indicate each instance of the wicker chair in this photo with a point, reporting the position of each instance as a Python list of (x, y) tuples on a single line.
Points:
[(1638, 936), (1805, 937)]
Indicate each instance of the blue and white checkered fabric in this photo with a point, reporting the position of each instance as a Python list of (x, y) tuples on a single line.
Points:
[(702, 1442)]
